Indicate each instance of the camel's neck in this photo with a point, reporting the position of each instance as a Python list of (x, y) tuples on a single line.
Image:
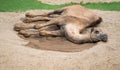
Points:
[(73, 35)]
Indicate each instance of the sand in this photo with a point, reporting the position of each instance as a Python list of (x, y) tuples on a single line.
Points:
[(14, 55), (75, 1)]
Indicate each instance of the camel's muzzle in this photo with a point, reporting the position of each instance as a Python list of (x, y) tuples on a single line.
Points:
[(104, 37)]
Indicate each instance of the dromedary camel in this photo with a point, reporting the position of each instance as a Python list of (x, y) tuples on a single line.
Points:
[(72, 21)]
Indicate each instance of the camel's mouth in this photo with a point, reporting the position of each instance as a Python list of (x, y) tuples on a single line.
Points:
[(104, 38), (59, 44)]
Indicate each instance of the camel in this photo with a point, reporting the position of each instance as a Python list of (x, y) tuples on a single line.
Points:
[(70, 22)]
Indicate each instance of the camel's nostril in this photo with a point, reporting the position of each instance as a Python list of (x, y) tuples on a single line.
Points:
[(104, 37)]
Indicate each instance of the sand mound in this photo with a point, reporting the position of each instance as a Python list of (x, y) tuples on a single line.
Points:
[(76, 1), (14, 55)]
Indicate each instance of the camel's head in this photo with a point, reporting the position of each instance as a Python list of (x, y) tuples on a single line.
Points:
[(98, 35)]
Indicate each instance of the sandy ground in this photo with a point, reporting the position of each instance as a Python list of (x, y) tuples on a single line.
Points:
[(57, 44), (76, 1), (14, 55)]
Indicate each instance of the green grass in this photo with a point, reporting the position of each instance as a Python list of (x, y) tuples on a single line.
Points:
[(113, 6), (23, 5)]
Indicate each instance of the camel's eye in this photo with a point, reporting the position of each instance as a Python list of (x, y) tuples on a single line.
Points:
[(97, 32)]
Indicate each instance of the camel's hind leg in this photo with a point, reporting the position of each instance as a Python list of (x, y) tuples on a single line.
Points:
[(52, 14), (29, 20)]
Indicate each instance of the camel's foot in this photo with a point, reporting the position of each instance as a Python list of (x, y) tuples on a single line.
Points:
[(22, 26)]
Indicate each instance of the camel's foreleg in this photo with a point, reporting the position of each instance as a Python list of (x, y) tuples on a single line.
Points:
[(29, 32), (50, 28), (51, 22), (51, 33)]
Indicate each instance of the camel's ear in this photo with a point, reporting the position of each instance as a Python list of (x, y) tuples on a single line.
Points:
[(92, 29)]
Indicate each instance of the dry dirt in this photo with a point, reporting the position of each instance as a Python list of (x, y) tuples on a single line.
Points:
[(57, 44), (75, 1), (14, 55)]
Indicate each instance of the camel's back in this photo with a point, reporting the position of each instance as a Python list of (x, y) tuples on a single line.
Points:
[(81, 12)]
